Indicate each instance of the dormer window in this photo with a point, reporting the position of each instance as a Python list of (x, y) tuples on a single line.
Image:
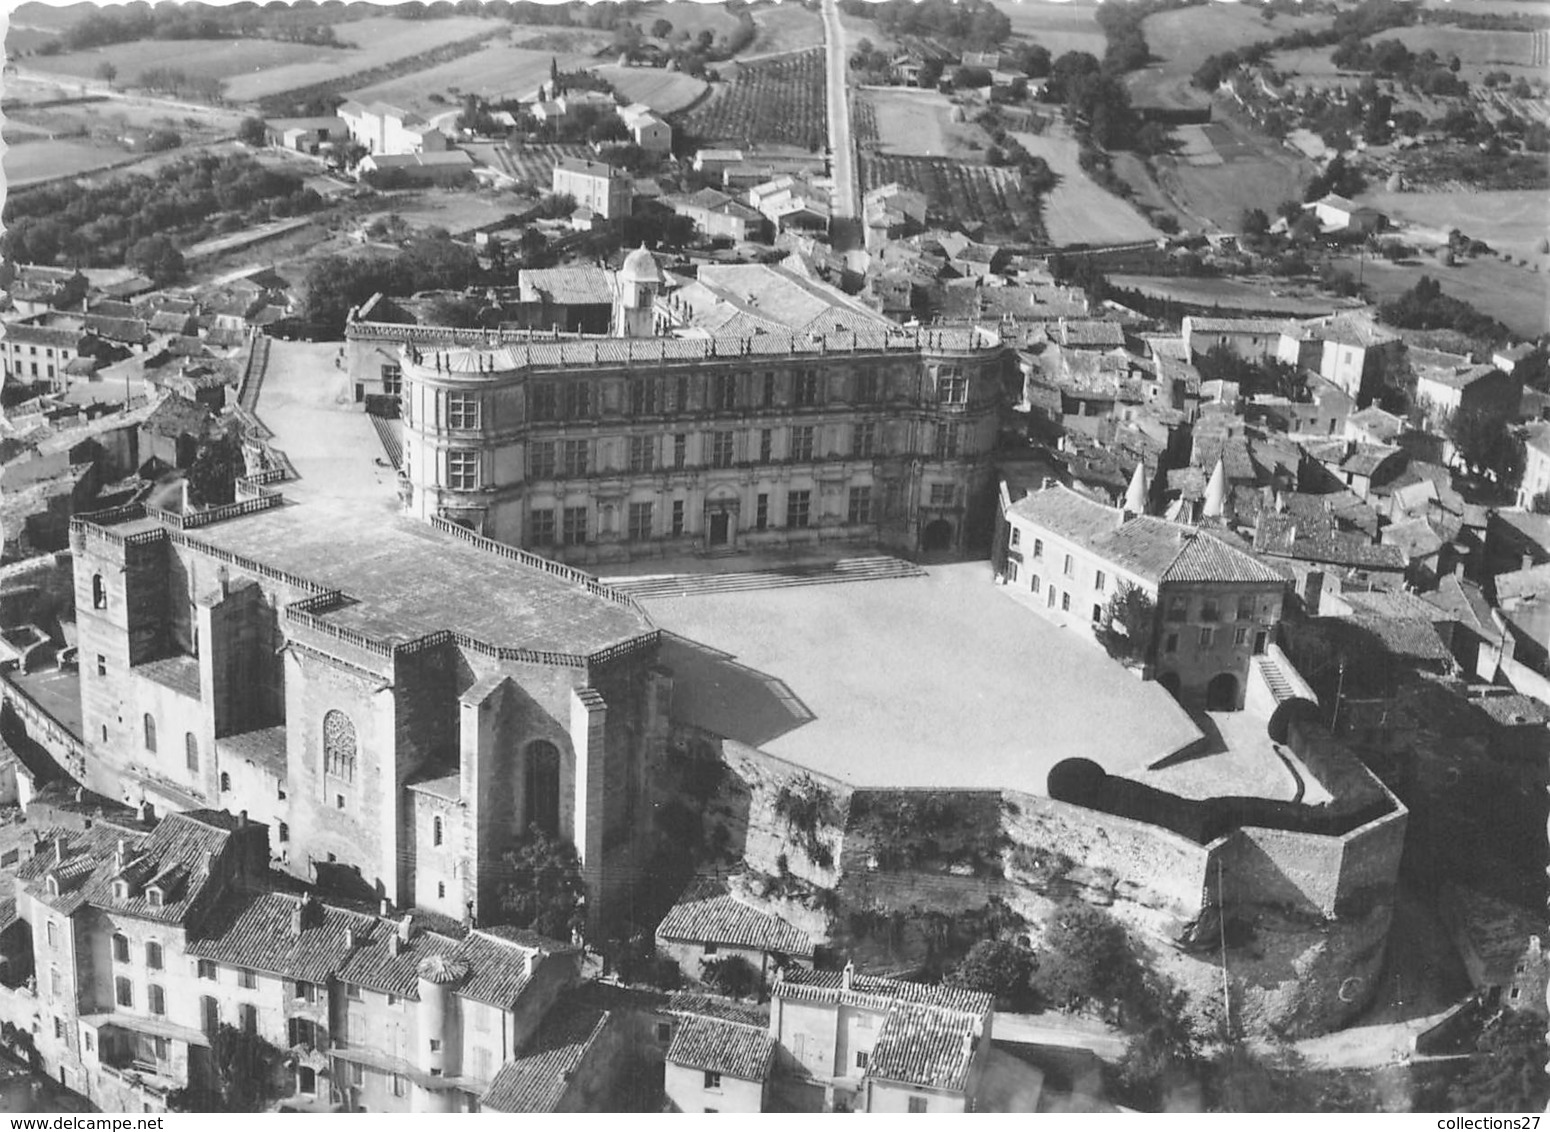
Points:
[(153, 897), (121, 890), (53, 887)]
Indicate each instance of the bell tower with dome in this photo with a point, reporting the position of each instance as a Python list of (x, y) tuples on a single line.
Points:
[(636, 287)]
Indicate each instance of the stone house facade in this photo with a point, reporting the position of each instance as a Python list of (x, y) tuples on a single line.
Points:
[(1217, 606)]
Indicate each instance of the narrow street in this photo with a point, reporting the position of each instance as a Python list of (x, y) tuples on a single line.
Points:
[(842, 147)]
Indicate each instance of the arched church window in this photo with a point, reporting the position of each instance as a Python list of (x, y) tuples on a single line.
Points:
[(339, 745)]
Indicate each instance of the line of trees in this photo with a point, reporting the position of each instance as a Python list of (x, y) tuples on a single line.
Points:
[(1355, 24), (197, 21), (976, 24)]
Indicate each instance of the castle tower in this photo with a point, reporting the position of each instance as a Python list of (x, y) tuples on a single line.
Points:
[(635, 295)]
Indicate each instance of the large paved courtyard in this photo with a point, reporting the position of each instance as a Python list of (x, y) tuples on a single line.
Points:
[(941, 680)]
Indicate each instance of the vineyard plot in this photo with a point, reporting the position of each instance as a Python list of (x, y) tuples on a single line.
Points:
[(959, 195), (773, 102)]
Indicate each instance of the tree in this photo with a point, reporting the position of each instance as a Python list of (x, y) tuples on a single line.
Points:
[(157, 258), (1086, 960), (544, 890), (733, 976), (251, 132), (1507, 1073), (213, 474), (661, 29), (997, 967), (1163, 1059), (1486, 444), (244, 1064), (1254, 224), (107, 72), (1127, 624)]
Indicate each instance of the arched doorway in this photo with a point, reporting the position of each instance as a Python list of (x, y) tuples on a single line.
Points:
[(1222, 693), (1169, 682), (938, 535), (543, 788)]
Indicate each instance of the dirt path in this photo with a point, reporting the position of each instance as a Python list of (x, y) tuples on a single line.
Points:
[(841, 144)]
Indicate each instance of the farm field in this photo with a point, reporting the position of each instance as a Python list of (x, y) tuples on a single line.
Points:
[(779, 101), (666, 92), (1184, 37), (1509, 221), (958, 194), (1513, 294), (690, 16), (495, 71), (919, 124), (784, 27), (254, 68), (1230, 294), (456, 211), (43, 160), (1242, 170), (532, 165), (1058, 27), (1077, 210), (1478, 51)]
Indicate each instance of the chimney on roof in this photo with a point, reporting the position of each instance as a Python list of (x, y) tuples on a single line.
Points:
[(61, 848), (385, 909), (223, 581), (468, 916), (209, 862), (242, 820), (406, 928), (145, 812), (349, 939), (120, 856), (395, 945), (299, 916), (847, 975), (529, 963), (80, 794)]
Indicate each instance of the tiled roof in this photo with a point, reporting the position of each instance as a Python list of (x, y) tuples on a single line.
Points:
[(497, 968), (625, 352), (921, 1046), (1457, 378), (535, 1081), (1399, 604), (178, 416), (729, 1048), (801, 985), (1150, 548), (393, 968), (1415, 537), (566, 286), (1091, 332), (132, 330), (726, 1009), (259, 931), (708, 913), (1376, 422), (24, 332), (1403, 636), (172, 857), (1236, 325), (1519, 584)]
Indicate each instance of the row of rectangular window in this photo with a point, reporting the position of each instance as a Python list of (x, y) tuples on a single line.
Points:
[(549, 401), (572, 459), (641, 517)]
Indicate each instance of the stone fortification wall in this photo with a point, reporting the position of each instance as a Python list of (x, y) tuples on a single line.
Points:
[(1317, 907)]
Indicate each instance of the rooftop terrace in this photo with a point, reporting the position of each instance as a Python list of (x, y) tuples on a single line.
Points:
[(407, 580)]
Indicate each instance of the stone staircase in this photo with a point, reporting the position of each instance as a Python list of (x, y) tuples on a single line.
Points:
[(1280, 687), (867, 569), (390, 432)]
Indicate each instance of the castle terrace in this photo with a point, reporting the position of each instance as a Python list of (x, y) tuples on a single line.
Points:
[(935, 681), (407, 580)]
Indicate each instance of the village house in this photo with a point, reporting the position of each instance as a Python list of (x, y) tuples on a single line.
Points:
[(386, 129), (847, 1042), (1218, 605), (1481, 389), (709, 924), (1337, 214), (593, 184), (432, 167), (717, 215), (717, 1065), (647, 128)]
